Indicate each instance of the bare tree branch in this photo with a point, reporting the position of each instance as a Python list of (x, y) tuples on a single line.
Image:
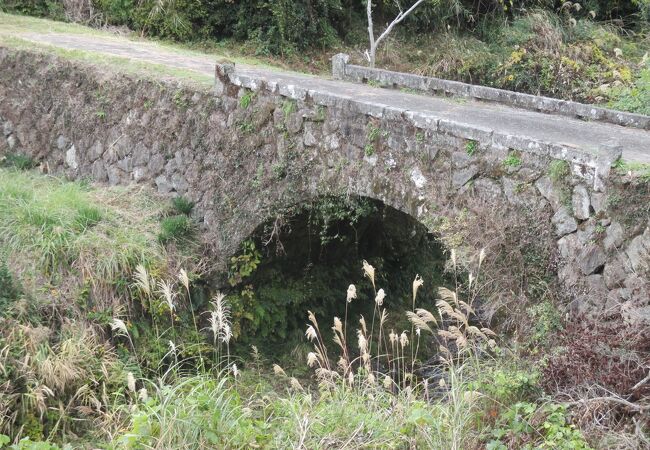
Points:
[(374, 43)]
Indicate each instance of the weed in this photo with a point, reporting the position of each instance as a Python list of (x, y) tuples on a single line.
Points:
[(100, 114), (614, 200), (320, 114), (419, 137), (180, 100), (279, 170), (519, 426), (246, 99), (61, 223), (374, 83), (288, 107), (559, 171), (182, 205), (369, 150), (373, 132), (512, 160), (175, 228), (246, 127), (639, 170), (256, 182), (546, 320), (471, 147), (19, 161)]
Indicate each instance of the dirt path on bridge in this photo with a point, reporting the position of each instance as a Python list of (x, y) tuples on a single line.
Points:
[(572, 133)]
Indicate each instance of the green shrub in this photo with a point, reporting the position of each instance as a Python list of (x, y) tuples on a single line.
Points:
[(175, 228), (182, 205), (519, 427), (40, 8), (635, 98), (19, 161)]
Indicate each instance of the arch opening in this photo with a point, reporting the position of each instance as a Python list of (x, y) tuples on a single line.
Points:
[(305, 259)]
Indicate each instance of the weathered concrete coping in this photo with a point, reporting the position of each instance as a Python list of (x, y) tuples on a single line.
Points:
[(341, 70), (601, 159)]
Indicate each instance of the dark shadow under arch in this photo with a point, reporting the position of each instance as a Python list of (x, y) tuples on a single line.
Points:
[(306, 257)]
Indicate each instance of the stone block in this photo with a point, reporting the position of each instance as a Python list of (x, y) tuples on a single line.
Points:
[(581, 202), (564, 222), (591, 258)]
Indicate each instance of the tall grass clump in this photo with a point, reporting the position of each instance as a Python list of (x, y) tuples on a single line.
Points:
[(64, 226)]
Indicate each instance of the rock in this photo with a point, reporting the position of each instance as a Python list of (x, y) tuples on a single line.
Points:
[(71, 158), (310, 135), (141, 155), (546, 187), (12, 141), (418, 179), (638, 315), (125, 164), (587, 231), (95, 151), (591, 259), (598, 201), (117, 176), (139, 174), (638, 251), (569, 275), (528, 175), (460, 159), (156, 164), (462, 176), (614, 236), (294, 123), (99, 171), (615, 298), (596, 288), (7, 128), (581, 203), (564, 222), (332, 142), (519, 193), (163, 184), (487, 188), (569, 246), (61, 142), (179, 183), (615, 272)]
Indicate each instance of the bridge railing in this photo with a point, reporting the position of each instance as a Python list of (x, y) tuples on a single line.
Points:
[(342, 70)]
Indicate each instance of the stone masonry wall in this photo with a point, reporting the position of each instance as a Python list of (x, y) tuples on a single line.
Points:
[(243, 155)]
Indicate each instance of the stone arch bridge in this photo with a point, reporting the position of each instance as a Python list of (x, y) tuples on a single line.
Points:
[(522, 184)]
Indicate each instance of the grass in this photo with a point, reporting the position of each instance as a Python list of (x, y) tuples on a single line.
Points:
[(63, 226), (175, 228), (636, 169), (182, 205)]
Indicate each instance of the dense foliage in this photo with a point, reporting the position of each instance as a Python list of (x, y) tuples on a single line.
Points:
[(592, 51)]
